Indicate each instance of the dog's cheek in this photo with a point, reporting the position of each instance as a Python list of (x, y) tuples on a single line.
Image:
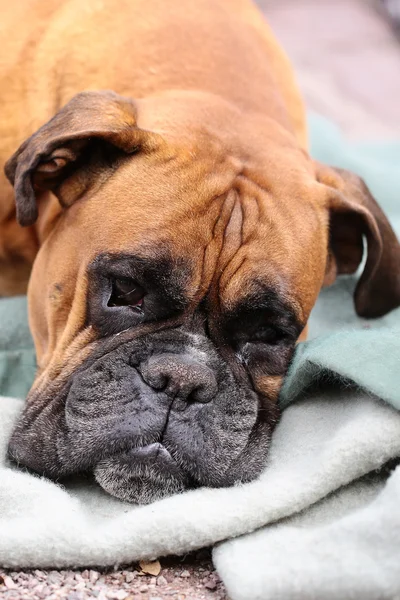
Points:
[(36, 437), (267, 367), (268, 386), (110, 408)]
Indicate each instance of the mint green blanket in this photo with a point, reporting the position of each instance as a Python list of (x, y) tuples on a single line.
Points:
[(366, 352), (322, 520)]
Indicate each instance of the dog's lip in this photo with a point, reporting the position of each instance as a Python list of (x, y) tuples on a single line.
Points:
[(153, 449), (155, 453)]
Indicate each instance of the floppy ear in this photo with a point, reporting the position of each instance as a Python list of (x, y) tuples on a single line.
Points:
[(80, 146), (355, 214)]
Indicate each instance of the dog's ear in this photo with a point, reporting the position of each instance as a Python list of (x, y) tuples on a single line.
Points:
[(80, 146), (355, 215)]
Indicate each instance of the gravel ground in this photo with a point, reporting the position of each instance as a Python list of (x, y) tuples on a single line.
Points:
[(179, 578)]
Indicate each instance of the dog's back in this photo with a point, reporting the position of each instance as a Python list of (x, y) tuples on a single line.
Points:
[(52, 50)]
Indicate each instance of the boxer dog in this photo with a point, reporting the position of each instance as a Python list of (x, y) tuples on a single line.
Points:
[(178, 232)]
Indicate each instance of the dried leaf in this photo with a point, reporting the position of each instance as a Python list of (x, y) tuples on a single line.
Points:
[(151, 567)]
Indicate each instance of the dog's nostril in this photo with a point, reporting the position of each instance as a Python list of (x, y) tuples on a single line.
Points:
[(202, 393), (154, 379), (180, 377)]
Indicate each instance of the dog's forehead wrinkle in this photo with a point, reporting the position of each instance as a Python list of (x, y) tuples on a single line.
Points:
[(235, 223), (241, 229)]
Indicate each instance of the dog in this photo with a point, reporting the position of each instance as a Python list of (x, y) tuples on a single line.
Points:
[(175, 233)]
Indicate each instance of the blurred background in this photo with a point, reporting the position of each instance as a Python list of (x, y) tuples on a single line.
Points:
[(347, 58)]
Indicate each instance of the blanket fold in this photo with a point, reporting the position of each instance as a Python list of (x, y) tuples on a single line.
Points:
[(322, 521)]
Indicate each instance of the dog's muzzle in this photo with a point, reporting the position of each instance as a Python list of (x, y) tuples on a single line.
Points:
[(151, 418)]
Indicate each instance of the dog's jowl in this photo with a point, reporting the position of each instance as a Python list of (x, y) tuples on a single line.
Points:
[(159, 196)]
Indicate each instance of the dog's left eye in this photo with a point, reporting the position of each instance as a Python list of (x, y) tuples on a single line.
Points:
[(267, 335), (126, 292)]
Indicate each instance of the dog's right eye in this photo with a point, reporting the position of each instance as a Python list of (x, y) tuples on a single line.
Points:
[(126, 292), (266, 335)]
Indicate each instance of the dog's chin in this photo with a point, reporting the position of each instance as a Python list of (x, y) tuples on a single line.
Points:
[(141, 475)]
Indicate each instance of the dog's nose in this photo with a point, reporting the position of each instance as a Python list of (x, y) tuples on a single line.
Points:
[(180, 377)]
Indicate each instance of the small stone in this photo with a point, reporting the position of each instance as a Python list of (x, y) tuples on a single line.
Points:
[(93, 576), (9, 583), (130, 576), (185, 574), (80, 586), (39, 574), (169, 576), (144, 588), (10, 595), (85, 574), (161, 580), (117, 594), (38, 589), (211, 585), (55, 573)]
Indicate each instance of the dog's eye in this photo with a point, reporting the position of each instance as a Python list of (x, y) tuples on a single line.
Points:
[(267, 335), (126, 292)]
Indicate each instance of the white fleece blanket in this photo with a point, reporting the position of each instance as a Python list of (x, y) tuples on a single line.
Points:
[(321, 522), (344, 544)]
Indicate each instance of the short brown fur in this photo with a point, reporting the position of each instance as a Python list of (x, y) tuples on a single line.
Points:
[(207, 94)]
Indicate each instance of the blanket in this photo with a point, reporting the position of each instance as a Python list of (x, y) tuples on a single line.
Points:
[(322, 520)]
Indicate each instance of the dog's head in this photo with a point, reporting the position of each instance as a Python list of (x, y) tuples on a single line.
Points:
[(167, 299)]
